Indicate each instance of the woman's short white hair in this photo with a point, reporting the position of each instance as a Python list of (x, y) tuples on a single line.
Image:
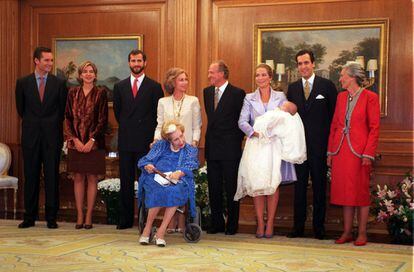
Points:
[(355, 70)]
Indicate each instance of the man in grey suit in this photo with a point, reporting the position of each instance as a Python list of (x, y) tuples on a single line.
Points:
[(41, 102)]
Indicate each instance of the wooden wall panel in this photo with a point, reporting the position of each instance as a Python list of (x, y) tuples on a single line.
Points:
[(9, 52)]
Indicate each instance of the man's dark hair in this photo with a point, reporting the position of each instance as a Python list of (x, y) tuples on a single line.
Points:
[(304, 52), (137, 52), (37, 54)]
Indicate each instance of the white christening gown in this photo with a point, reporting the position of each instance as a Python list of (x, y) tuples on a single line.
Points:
[(282, 137)]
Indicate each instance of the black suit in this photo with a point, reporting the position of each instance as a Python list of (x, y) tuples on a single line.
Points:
[(137, 118), (41, 140), (223, 153), (316, 115)]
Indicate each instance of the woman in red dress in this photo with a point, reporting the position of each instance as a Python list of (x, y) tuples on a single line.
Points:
[(351, 150), (86, 119)]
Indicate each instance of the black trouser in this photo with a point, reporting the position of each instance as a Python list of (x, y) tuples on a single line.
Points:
[(219, 172), (129, 173), (317, 168), (41, 154)]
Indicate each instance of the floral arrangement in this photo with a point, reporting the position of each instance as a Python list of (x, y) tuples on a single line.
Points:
[(201, 187), (109, 192), (395, 207)]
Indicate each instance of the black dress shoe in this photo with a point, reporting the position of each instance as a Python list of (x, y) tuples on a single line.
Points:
[(121, 227), (52, 225), (230, 232), (295, 234), (26, 224), (215, 230), (88, 226)]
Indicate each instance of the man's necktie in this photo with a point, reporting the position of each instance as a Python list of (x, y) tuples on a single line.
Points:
[(41, 88), (135, 87), (307, 89), (216, 97)]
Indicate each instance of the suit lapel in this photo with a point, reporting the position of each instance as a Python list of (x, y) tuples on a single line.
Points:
[(210, 101), (273, 101), (257, 103)]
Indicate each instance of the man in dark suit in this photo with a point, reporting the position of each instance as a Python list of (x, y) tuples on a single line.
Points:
[(41, 102), (315, 98), (223, 103), (135, 108)]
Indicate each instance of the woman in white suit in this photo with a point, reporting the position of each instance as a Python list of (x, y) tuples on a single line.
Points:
[(183, 108)]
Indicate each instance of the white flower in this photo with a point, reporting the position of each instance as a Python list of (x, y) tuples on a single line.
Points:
[(391, 194), (112, 185), (203, 170)]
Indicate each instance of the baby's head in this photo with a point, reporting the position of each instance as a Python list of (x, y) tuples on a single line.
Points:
[(289, 107)]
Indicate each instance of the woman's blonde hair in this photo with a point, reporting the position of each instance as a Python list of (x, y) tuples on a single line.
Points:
[(170, 77), (83, 66), (170, 127), (267, 67)]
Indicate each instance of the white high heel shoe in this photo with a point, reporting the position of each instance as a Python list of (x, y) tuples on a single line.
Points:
[(144, 240), (160, 242)]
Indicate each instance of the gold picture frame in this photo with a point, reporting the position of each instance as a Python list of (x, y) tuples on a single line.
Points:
[(333, 43), (109, 53)]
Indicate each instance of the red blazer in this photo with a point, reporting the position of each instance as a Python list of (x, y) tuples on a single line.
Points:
[(363, 134)]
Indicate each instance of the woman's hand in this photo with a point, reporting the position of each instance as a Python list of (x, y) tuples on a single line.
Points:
[(177, 175), (329, 161), (88, 146), (78, 145), (194, 143), (149, 168), (366, 161), (256, 134)]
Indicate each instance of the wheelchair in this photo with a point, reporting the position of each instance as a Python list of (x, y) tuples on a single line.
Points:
[(191, 233)]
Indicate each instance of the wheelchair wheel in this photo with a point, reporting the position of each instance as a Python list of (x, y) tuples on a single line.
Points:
[(192, 233), (142, 218)]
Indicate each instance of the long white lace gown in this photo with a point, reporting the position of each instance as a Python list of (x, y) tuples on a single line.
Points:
[(282, 137)]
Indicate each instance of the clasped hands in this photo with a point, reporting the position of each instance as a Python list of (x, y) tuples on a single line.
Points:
[(83, 148)]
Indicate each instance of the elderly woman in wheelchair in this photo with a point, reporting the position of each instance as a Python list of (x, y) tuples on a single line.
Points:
[(167, 179)]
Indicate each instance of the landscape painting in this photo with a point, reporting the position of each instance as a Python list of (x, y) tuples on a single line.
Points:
[(333, 43), (110, 54)]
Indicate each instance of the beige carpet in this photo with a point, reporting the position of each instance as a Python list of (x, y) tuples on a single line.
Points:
[(105, 249)]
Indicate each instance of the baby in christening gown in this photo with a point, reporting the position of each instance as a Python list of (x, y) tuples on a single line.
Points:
[(281, 137)]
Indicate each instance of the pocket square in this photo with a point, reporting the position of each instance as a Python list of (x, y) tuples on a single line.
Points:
[(320, 96)]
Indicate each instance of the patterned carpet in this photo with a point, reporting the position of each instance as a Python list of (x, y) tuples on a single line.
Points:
[(105, 249)]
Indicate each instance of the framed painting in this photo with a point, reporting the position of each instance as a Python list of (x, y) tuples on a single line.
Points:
[(110, 54), (333, 44)]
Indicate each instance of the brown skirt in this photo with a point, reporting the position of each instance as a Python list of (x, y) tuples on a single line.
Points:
[(92, 163)]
